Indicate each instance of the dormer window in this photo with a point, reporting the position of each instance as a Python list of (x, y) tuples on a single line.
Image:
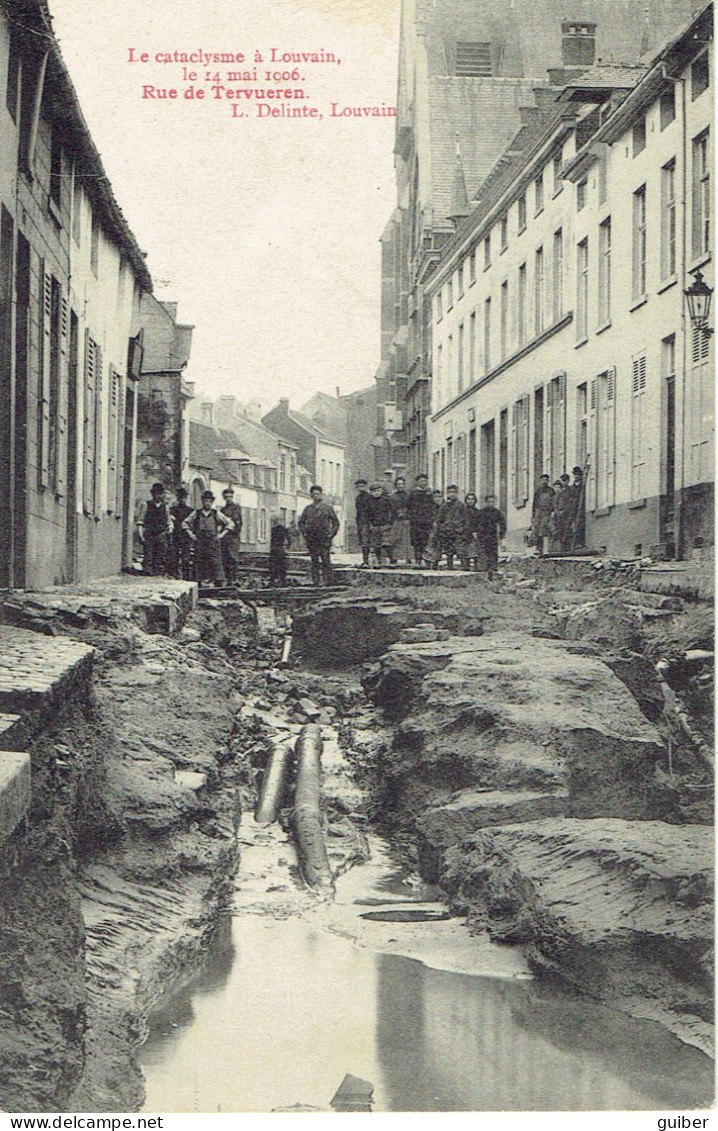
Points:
[(473, 60)]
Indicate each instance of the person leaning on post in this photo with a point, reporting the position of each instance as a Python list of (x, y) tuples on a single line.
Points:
[(319, 524), (206, 527)]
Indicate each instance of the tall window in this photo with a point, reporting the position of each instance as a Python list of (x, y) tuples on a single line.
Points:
[(557, 166), (439, 307), (472, 348), (504, 232), (582, 290), (580, 195), (581, 424), (701, 195), (94, 243), (638, 425), (556, 425), (282, 473), (639, 137), (439, 374), (668, 220), (522, 212), (538, 291), (604, 272), (461, 279), (13, 76), (472, 267), (639, 243), (461, 358), (504, 318), (487, 335), (668, 107), (557, 274), (603, 411), (701, 409), (487, 251), (449, 367), (449, 294), (538, 194), (521, 313), (700, 76), (520, 451)]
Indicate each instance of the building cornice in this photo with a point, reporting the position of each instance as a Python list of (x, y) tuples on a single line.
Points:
[(505, 364)]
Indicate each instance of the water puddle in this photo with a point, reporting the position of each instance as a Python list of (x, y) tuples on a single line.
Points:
[(298, 994)]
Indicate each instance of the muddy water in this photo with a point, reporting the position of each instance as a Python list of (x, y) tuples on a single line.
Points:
[(301, 993)]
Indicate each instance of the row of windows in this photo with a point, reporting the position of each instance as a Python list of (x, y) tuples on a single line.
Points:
[(471, 461), (331, 477)]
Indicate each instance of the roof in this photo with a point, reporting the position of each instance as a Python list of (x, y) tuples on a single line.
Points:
[(254, 438), (329, 415), (614, 76), (33, 27), (205, 447)]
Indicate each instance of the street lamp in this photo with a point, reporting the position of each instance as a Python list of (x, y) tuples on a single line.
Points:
[(698, 297)]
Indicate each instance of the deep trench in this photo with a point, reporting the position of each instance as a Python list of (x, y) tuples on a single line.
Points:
[(237, 934)]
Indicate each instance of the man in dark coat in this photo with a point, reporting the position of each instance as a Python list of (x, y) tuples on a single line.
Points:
[(279, 542), (230, 541), (182, 549), (490, 529), (154, 526), (380, 516), (541, 514), (451, 526), (422, 510), (400, 544), (362, 498), (577, 510), (319, 524), (206, 527)]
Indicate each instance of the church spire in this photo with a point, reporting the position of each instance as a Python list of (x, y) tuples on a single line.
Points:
[(459, 199)]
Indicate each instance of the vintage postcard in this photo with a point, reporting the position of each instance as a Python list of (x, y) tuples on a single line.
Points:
[(356, 560)]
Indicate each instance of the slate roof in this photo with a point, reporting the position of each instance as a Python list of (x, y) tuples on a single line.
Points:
[(205, 446)]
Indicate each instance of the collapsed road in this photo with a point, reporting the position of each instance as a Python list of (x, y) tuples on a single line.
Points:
[(508, 795)]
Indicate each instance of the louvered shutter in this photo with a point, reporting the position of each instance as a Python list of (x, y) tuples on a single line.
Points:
[(88, 431), (514, 454), (99, 415), (62, 398), (525, 450), (638, 385), (610, 437), (112, 441), (591, 486), (561, 411), (120, 461), (44, 389), (548, 429)]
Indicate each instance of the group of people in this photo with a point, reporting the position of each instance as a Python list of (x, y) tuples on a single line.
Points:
[(199, 543), (558, 522), (395, 525)]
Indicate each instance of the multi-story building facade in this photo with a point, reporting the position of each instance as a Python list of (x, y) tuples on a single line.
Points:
[(71, 277), (164, 396), (561, 333), (467, 72)]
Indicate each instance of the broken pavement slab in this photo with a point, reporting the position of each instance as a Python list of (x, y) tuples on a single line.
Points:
[(39, 672), (15, 790)]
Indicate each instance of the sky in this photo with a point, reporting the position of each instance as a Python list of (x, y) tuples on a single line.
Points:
[(265, 230)]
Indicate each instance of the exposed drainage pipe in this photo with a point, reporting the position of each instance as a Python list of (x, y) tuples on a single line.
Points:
[(313, 859), (287, 644), (274, 784)]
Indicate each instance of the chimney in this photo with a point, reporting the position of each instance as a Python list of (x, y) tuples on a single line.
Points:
[(284, 403), (208, 413), (578, 43)]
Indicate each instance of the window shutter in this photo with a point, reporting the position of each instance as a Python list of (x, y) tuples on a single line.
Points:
[(44, 390), (561, 421), (120, 460), (112, 441), (62, 394), (88, 432), (98, 430), (610, 438), (525, 450), (591, 486), (514, 454)]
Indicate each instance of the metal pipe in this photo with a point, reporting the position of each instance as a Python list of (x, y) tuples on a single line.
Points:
[(313, 859), (287, 646), (274, 784)]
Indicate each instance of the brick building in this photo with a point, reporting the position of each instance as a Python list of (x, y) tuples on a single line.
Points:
[(560, 330), (163, 401), (71, 277), (467, 72)]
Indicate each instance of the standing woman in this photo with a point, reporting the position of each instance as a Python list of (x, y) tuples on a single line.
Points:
[(401, 543)]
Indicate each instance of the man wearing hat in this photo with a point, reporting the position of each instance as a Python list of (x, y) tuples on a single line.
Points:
[(154, 525), (206, 528), (541, 514), (362, 498), (230, 542), (319, 525), (380, 516), (180, 540)]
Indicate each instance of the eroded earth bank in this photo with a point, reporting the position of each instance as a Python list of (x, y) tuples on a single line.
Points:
[(537, 746)]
